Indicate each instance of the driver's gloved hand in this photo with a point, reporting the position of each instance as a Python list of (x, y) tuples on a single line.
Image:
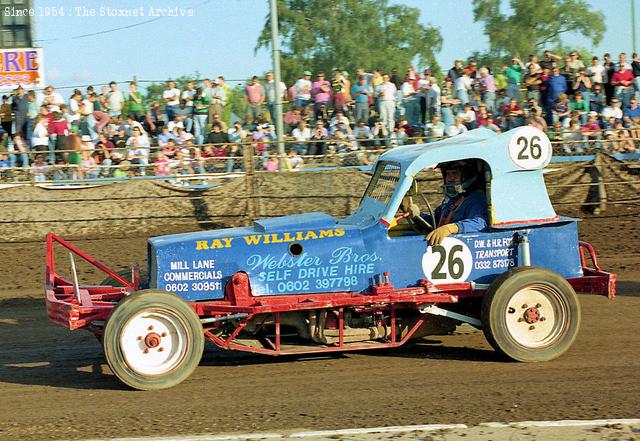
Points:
[(414, 210), (437, 236)]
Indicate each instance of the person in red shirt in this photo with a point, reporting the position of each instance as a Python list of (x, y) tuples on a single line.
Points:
[(58, 129), (513, 107), (481, 115), (622, 81), (513, 114), (472, 68), (57, 124)]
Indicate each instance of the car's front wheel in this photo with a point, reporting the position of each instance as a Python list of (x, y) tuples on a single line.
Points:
[(530, 314)]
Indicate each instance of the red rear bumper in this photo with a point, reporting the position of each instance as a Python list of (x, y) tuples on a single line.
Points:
[(594, 281), (77, 306)]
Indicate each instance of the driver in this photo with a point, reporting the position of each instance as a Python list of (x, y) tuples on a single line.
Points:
[(464, 208)]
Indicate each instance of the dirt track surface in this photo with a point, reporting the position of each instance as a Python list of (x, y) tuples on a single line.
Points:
[(55, 384)]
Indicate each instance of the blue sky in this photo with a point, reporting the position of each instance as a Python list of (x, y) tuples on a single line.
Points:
[(220, 37)]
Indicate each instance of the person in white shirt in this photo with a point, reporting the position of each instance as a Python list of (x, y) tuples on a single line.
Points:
[(596, 71), (115, 100), (175, 124), (337, 118), (302, 135), (468, 116), (40, 136), (303, 90), (188, 95), (362, 134), (87, 111), (183, 136), (463, 86), (533, 60), (171, 97), (386, 94), (138, 145), (613, 110), (433, 98), (455, 129), (130, 124), (50, 97), (410, 102), (74, 108)]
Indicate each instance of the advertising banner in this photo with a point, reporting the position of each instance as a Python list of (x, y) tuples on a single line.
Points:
[(23, 66)]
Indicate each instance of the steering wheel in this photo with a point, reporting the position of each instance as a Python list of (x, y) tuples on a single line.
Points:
[(417, 222), (431, 213)]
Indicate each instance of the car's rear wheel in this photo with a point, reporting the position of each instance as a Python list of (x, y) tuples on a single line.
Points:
[(531, 314), (153, 340)]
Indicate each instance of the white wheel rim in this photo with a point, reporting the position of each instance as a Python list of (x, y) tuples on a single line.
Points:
[(536, 316), (154, 342)]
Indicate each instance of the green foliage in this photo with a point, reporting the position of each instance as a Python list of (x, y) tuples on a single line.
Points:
[(154, 93), (235, 103), (347, 34), (535, 25), (154, 90)]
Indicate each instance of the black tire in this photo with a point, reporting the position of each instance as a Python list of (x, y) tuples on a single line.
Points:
[(130, 331), (126, 273), (528, 332)]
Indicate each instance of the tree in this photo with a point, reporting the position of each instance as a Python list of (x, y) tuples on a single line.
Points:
[(154, 90), (535, 25), (347, 34), (235, 103)]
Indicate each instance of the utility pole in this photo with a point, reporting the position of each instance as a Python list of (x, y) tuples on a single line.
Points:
[(633, 25), (276, 74)]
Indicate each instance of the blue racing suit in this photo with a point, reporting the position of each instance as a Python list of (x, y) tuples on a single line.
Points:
[(470, 214)]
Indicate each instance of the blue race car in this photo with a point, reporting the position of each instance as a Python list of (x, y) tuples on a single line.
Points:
[(313, 283)]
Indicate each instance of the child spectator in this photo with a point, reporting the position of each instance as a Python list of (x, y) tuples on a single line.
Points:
[(561, 109), (572, 134), (434, 129), (161, 165), (4, 166), (271, 165), (88, 166), (581, 106), (120, 167), (294, 161), (39, 168)]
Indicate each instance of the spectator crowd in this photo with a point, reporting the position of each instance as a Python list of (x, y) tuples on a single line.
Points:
[(112, 133)]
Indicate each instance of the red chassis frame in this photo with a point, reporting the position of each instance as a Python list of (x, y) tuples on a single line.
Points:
[(78, 307)]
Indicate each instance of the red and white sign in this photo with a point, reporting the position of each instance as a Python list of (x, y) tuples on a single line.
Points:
[(23, 66)]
